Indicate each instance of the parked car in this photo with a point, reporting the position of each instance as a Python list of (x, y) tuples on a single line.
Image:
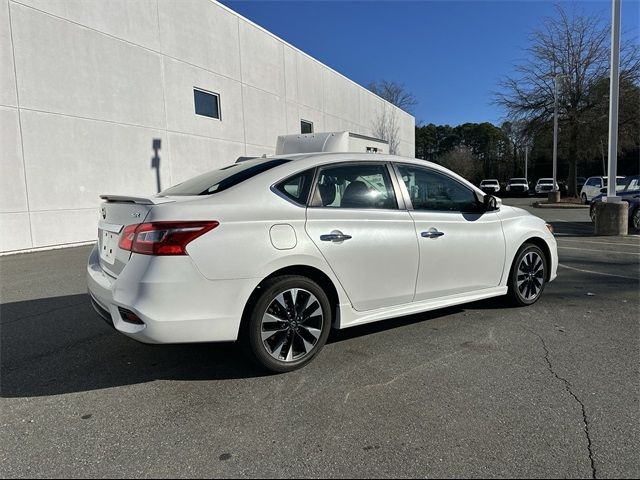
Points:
[(593, 186), (517, 186), (630, 193), (275, 251), (490, 186), (545, 185)]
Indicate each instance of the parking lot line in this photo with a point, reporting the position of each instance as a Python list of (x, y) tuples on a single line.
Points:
[(602, 243), (600, 251), (597, 273)]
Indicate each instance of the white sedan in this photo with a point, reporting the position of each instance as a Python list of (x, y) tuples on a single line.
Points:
[(276, 251)]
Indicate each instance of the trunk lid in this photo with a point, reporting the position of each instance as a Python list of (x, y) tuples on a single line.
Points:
[(117, 212)]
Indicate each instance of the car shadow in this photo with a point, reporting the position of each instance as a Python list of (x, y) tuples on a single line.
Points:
[(59, 345)]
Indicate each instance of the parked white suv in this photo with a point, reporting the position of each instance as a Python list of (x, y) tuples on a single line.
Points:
[(593, 185), (490, 186), (276, 251), (545, 185)]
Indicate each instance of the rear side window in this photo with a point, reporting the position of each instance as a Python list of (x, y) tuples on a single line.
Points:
[(361, 186), (296, 188), (227, 177)]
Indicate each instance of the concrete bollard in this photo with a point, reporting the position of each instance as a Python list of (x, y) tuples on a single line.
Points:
[(553, 197), (612, 218)]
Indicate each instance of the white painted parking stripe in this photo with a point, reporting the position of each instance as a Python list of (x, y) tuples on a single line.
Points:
[(597, 273), (600, 251), (602, 243)]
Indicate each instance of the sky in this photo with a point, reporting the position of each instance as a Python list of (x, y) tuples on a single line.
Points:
[(449, 54)]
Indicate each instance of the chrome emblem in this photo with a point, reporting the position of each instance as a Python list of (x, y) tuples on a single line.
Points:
[(136, 214), (104, 213)]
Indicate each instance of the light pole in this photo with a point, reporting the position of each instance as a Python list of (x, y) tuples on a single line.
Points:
[(554, 195), (612, 213), (526, 162), (613, 101)]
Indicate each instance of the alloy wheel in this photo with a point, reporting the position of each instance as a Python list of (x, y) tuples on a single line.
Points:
[(292, 325), (530, 277)]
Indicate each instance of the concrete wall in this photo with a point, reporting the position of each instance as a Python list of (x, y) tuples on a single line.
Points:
[(86, 86)]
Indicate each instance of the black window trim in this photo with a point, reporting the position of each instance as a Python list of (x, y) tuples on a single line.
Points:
[(407, 197), (400, 203), (217, 95)]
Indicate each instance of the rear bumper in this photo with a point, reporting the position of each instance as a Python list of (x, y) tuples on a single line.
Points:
[(175, 302)]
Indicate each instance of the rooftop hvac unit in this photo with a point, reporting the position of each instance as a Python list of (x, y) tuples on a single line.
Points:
[(329, 142)]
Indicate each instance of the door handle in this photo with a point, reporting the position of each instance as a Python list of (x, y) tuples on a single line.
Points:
[(432, 233), (335, 236)]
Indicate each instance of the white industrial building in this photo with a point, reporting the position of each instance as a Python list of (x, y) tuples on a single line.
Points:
[(120, 96)]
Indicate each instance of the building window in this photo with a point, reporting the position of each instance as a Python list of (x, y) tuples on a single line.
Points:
[(306, 126), (207, 103)]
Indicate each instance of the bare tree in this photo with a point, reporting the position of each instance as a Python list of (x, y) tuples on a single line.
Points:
[(462, 161), (576, 47), (385, 126), (394, 93)]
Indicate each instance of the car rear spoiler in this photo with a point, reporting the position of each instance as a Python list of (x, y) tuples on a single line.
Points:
[(155, 200)]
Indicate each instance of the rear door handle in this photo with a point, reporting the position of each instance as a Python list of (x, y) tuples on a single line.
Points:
[(335, 236), (432, 233)]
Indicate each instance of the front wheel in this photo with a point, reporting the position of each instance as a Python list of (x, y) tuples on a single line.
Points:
[(288, 324), (584, 199), (528, 275)]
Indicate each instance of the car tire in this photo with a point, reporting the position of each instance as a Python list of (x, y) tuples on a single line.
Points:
[(592, 212), (635, 219), (528, 276), (584, 199), (282, 329)]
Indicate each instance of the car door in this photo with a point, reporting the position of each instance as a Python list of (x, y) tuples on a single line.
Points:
[(357, 220), (462, 247)]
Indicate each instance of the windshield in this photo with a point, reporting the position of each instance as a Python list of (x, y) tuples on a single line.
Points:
[(219, 180), (518, 180), (620, 182), (632, 183), (545, 181), (489, 182)]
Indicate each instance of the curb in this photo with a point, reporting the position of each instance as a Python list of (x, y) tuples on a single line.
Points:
[(557, 205)]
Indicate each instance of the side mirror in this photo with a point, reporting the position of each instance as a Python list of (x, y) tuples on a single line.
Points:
[(491, 203)]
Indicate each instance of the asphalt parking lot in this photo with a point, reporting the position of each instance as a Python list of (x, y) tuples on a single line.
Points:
[(473, 391)]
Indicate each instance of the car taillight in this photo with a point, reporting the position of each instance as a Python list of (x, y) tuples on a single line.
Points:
[(163, 238), (126, 239)]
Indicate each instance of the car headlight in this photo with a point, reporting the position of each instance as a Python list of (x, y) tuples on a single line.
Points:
[(550, 228)]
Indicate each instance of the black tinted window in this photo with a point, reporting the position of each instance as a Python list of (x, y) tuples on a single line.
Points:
[(219, 180), (297, 187), (207, 104), (432, 190)]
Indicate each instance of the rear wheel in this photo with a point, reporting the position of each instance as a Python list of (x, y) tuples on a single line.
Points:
[(288, 324), (528, 275), (635, 219)]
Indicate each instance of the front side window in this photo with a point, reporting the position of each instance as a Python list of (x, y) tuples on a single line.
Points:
[(363, 186), (296, 188), (435, 191)]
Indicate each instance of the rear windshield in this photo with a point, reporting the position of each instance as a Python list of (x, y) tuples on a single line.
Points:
[(219, 180), (546, 181), (518, 180), (489, 182)]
